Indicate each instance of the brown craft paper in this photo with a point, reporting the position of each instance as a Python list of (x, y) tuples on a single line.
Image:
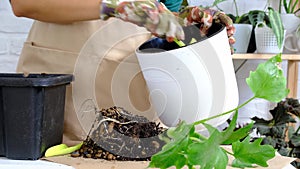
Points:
[(278, 162)]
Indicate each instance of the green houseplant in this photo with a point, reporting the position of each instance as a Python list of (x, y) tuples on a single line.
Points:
[(244, 31), (270, 37), (290, 14), (185, 147), (270, 18), (290, 6), (250, 18), (253, 17), (280, 131)]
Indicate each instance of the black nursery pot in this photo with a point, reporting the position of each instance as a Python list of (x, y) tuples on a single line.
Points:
[(31, 113)]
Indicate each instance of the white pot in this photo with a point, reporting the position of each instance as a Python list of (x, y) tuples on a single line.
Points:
[(290, 22), (190, 83), (242, 37), (292, 42), (265, 40)]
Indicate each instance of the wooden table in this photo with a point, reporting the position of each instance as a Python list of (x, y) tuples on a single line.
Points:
[(292, 68)]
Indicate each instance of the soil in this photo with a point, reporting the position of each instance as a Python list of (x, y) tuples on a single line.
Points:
[(119, 135)]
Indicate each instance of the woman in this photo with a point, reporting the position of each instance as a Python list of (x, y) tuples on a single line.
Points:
[(61, 29)]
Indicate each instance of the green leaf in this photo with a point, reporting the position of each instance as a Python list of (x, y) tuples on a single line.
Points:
[(201, 153), (208, 154), (293, 10), (247, 153), (277, 26), (278, 131), (239, 134), (286, 7), (239, 164), (62, 149), (172, 154), (295, 140), (268, 81), (263, 130), (257, 16), (280, 114), (229, 135), (270, 141)]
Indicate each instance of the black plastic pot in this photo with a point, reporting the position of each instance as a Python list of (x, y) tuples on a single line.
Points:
[(31, 113)]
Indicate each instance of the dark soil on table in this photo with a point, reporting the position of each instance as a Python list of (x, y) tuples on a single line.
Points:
[(120, 135)]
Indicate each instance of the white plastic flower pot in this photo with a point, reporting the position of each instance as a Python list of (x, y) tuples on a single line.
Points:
[(242, 36), (290, 22), (193, 82), (265, 39)]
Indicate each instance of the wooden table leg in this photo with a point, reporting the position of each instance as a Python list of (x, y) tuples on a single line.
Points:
[(292, 78)]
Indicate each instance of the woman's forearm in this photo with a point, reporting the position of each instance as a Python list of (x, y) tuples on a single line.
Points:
[(57, 11)]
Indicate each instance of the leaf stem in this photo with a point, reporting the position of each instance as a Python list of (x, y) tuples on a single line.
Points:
[(228, 152), (196, 139), (236, 8), (225, 113)]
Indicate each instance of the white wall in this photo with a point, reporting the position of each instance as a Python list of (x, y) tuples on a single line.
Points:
[(13, 32)]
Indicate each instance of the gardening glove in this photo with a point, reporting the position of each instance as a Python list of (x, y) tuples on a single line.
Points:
[(206, 17), (152, 15)]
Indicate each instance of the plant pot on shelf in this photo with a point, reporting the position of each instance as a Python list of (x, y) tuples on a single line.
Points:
[(265, 39), (290, 23), (193, 82), (242, 37), (292, 42)]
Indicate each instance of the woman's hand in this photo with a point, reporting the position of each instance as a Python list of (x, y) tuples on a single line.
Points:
[(206, 17), (152, 15)]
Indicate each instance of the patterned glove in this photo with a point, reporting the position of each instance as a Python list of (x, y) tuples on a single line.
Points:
[(206, 17), (152, 15)]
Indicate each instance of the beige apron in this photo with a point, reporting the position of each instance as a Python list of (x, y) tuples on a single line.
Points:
[(55, 48)]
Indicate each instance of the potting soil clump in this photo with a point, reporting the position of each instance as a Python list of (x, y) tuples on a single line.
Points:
[(119, 135)]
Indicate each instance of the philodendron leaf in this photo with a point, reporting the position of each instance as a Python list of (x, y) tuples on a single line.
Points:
[(267, 81), (247, 153), (229, 135), (208, 154), (239, 134), (172, 154)]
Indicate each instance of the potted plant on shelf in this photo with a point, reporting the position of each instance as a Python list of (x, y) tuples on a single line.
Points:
[(249, 20), (289, 12), (243, 30), (269, 38), (290, 15)]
